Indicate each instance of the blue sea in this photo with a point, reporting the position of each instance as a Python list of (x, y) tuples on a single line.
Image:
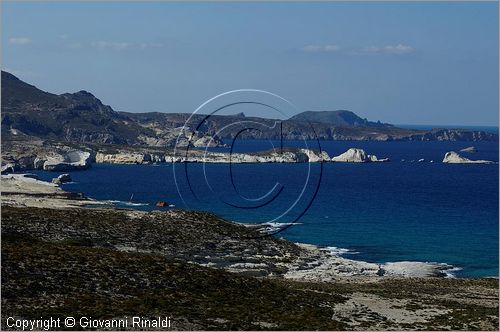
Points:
[(380, 212)]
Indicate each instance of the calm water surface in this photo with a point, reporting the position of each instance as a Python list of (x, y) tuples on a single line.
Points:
[(381, 212)]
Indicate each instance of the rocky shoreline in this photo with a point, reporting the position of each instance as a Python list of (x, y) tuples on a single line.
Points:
[(293, 261), (21, 156), (46, 231), (37, 155)]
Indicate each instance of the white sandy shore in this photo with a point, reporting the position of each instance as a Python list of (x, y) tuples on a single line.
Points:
[(25, 184), (315, 263), (23, 190)]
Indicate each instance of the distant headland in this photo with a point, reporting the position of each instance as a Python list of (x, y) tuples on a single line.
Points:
[(30, 113)]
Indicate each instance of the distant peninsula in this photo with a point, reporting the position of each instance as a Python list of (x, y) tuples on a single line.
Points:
[(30, 113)]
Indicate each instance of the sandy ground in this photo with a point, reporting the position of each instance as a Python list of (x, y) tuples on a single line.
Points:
[(23, 190)]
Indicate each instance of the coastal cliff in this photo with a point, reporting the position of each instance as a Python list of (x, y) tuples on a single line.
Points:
[(59, 157)]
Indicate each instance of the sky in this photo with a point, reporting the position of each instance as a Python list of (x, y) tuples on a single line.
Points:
[(402, 63)]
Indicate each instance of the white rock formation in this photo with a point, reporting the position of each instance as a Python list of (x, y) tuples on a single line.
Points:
[(454, 158), (328, 266), (302, 155), (122, 158), (354, 155), (238, 158), (8, 168), (314, 157), (72, 160), (63, 178), (38, 163)]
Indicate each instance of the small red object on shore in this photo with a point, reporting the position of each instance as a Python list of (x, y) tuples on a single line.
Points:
[(162, 204)]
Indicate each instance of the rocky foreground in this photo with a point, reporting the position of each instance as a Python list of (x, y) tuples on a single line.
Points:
[(60, 257)]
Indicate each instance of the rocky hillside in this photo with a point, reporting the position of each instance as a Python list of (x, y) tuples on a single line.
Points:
[(339, 118), (334, 125), (28, 112), (79, 116), (208, 274)]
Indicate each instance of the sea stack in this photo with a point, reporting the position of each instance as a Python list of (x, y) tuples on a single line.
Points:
[(454, 158), (354, 155)]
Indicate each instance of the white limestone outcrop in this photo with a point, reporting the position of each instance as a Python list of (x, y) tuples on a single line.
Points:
[(314, 157), (299, 156), (69, 161), (63, 178), (454, 158), (354, 155), (8, 168)]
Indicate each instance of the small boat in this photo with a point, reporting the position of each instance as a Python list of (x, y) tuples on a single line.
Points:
[(162, 204)]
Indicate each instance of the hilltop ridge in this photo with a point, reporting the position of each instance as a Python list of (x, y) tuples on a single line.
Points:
[(341, 118), (30, 113)]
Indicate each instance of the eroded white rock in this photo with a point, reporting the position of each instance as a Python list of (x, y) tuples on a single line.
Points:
[(454, 158), (63, 178), (72, 160), (314, 157), (354, 155)]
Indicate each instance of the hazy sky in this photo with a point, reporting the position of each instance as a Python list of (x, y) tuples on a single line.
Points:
[(418, 63)]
